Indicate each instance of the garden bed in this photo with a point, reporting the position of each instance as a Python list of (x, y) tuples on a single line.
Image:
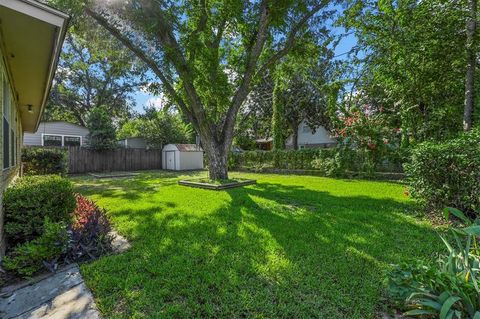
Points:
[(113, 174), (217, 185)]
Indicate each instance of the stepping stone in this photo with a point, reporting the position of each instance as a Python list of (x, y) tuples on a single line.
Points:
[(63, 295)]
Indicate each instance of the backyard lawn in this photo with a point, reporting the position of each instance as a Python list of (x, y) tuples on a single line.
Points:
[(290, 247)]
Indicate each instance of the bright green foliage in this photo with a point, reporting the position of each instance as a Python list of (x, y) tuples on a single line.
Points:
[(30, 200), (42, 161), (102, 134), (158, 128), (28, 258), (317, 247), (448, 289), (412, 63), (447, 174), (339, 161), (130, 128)]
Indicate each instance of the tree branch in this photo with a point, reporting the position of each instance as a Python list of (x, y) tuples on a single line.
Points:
[(290, 42), (252, 59), (145, 58)]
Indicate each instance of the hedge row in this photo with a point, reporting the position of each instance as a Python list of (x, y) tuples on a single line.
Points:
[(447, 174), (333, 161), (44, 161)]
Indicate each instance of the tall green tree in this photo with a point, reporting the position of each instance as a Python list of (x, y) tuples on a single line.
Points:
[(411, 63), (278, 118), (102, 134), (95, 70), (158, 127), (208, 53)]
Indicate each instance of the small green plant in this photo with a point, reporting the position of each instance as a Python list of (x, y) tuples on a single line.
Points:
[(44, 251), (44, 161), (449, 288), (32, 198)]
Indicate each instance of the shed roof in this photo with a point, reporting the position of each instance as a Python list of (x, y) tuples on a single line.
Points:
[(188, 148)]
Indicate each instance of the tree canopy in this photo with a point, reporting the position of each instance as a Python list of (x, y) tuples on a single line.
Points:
[(95, 70)]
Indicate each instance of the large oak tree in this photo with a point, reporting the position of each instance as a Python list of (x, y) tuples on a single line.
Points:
[(208, 53)]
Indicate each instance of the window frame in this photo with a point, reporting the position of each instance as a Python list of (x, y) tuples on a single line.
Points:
[(7, 113), (63, 138)]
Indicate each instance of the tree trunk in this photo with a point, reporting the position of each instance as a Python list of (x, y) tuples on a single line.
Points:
[(277, 119), (295, 137), (217, 156), (471, 63)]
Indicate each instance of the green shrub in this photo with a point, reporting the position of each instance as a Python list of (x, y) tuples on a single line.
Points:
[(43, 161), (447, 174), (449, 288), (30, 199), (338, 161), (28, 258)]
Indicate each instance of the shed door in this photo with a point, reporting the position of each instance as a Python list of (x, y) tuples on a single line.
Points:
[(170, 158)]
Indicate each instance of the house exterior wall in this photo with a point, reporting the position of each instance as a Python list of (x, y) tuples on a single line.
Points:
[(191, 160), (12, 115), (55, 128), (307, 139), (133, 142)]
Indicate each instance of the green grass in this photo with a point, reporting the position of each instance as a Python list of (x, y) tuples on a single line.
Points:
[(289, 247)]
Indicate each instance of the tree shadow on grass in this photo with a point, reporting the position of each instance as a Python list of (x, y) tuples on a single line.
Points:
[(129, 188), (271, 250)]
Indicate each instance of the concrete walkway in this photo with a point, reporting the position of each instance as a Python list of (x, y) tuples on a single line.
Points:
[(62, 295)]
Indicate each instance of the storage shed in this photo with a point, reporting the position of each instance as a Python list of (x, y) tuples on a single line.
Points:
[(182, 157)]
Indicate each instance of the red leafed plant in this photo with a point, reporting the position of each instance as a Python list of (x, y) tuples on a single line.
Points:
[(90, 231)]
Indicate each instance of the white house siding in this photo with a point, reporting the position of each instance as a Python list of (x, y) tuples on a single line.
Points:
[(59, 128), (308, 139)]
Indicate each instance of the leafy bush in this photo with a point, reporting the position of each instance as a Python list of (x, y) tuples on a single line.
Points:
[(30, 199), (449, 288), (28, 258), (338, 161), (447, 174), (42, 161), (90, 231)]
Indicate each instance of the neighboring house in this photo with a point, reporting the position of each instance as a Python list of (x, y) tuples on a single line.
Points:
[(133, 142), (57, 133), (31, 37), (308, 139)]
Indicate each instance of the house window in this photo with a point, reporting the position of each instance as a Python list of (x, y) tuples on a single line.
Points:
[(12, 147), (52, 140), (301, 147), (6, 124), (72, 141)]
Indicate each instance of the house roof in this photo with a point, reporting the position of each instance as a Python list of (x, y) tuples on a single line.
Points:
[(188, 147), (32, 36), (70, 123)]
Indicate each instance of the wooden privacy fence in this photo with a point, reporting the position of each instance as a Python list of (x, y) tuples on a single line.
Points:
[(84, 160)]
